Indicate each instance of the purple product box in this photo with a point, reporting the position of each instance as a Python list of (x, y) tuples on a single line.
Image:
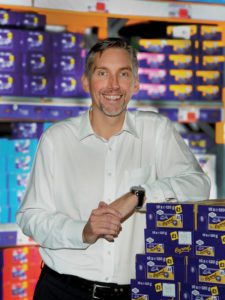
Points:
[(152, 60), (198, 142), (37, 85), (31, 20), (22, 146), (189, 32), (149, 290), (212, 115), (169, 242), (181, 47), (8, 238), (173, 216), (208, 92), (210, 62), (36, 63), (150, 91), (35, 41), (209, 244), (211, 48), (203, 292), (171, 113), (18, 181), (8, 18), (210, 32), (25, 130), (66, 64), (10, 61), (67, 42), (10, 39), (154, 45), (208, 77), (147, 75), (170, 269), (206, 270), (66, 86), (181, 61), (54, 113), (181, 76), (10, 84), (211, 218), (180, 92), (20, 164)]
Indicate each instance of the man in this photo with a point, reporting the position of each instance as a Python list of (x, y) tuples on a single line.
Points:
[(78, 205)]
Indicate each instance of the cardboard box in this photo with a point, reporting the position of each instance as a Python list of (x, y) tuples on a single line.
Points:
[(10, 84), (181, 76), (36, 63), (152, 75), (10, 62), (37, 86), (180, 92), (150, 91), (211, 217), (181, 61), (170, 216), (154, 45), (196, 292), (183, 31), (35, 41), (210, 32), (149, 290), (169, 242), (67, 42), (204, 77), (160, 268), (10, 39)]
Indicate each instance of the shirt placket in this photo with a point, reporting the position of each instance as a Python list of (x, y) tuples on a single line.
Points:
[(109, 196)]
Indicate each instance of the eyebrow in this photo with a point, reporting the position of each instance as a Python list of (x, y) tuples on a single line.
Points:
[(104, 68)]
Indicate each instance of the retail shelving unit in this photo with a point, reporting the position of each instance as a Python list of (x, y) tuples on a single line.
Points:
[(80, 15)]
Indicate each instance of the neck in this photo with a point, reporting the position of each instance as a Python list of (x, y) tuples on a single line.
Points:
[(106, 126)]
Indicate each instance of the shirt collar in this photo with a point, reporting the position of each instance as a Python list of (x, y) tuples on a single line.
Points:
[(86, 130)]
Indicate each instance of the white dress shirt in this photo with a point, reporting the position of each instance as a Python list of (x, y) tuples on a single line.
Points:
[(74, 169)]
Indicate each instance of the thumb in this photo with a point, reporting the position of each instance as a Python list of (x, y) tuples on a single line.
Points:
[(102, 204)]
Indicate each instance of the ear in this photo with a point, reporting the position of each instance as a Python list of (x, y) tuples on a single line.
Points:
[(136, 86), (85, 83)]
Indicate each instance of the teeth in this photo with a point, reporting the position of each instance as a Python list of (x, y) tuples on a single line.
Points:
[(112, 97)]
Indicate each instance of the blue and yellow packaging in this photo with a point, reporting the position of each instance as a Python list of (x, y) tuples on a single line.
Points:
[(203, 292)]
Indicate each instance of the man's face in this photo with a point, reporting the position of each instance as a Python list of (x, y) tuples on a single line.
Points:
[(111, 83)]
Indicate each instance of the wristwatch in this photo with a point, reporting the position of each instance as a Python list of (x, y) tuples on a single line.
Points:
[(139, 191)]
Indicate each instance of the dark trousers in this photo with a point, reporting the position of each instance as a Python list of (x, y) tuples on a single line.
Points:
[(54, 286)]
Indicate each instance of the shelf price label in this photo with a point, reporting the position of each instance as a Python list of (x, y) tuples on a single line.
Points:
[(182, 11), (188, 115)]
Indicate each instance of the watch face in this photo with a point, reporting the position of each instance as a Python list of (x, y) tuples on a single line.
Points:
[(139, 191)]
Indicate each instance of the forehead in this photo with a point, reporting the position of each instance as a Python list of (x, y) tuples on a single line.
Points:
[(113, 57)]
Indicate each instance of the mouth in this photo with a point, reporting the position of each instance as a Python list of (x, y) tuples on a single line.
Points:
[(112, 98)]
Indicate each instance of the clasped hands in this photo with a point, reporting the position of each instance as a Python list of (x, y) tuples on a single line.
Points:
[(106, 220)]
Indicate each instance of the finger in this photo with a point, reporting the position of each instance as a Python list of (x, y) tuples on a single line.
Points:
[(102, 204)]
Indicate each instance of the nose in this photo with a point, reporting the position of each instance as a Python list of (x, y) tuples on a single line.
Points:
[(113, 81)]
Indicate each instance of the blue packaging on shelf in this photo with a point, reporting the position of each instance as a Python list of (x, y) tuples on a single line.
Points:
[(37, 85), (16, 196), (212, 115), (180, 92), (171, 113), (183, 31), (66, 63), (150, 91), (209, 244), (8, 18), (208, 92), (31, 20), (180, 76), (7, 239), (154, 45), (210, 62), (169, 242), (206, 77), (67, 42), (198, 142), (54, 113), (152, 60), (66, 86), (20, 164), (10, 39), (197, 292), (211, 48), (180, 47), (18, 181), (22, 146), (147, 75), (36, 63), (10, 84), (171, 216), (211, 217), (10, 61), (26, 130), (181, 61), (149, 290), (210, 32), (155, 268), (206, 270), (35, 41)]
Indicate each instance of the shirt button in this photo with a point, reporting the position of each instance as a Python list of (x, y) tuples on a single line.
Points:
[(109, 174)]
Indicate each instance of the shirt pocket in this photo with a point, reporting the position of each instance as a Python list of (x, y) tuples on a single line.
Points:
[(137, 176)]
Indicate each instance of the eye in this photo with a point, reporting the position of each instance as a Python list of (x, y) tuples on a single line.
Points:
[(102, 73), (125, 74)]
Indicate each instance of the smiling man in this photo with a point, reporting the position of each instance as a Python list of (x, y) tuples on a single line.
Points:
[(91, 177)]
